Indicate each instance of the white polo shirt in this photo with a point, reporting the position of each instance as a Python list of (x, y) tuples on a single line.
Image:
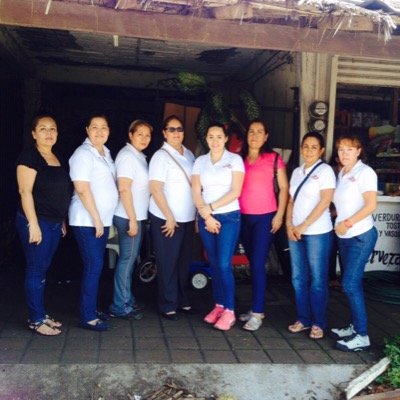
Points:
[(131, 163), (216, 179), (177, 189), (87, 165), (309, 196), (349, 198)]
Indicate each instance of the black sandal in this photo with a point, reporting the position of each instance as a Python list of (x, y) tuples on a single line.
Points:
[(36, 326)]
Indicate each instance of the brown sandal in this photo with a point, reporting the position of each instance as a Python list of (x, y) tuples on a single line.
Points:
[(42, 328), (297, 327), (316, 333), (50, 321)]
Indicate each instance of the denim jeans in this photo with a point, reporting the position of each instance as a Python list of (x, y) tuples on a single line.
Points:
[(38, 259), (220, 249), (123, 298), (256, 237), (92, 252), (310, 265), (354, 254), (173, 256)]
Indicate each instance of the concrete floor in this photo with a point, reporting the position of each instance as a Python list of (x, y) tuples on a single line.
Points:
[(154, 342)]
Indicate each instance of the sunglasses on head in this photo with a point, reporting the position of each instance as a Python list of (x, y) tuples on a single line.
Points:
[(172, 129)]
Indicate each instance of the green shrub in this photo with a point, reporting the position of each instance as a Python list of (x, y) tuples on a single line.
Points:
[(392, 350)]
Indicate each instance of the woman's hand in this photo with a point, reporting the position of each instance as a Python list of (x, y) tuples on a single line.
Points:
[(63, 229), (168, 229), (35, 233), (290, 234), (99, 227), (133, 228), (341, 228), (276, 223), (212, 225), (299, 230)]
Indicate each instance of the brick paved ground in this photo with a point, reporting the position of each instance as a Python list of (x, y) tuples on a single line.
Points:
[(189, 340)]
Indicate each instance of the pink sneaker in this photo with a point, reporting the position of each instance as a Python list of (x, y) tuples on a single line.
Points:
[(226, 320), (212, 317)]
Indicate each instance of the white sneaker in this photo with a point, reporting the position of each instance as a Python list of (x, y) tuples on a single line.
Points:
[(353, 343), (340, 333)]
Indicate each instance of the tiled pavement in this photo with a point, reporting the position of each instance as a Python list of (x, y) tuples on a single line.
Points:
[(189, 340)]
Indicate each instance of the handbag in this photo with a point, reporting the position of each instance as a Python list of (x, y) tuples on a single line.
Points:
[(275, 180)]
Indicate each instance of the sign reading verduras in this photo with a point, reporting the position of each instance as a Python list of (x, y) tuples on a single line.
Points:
[(386, 255)]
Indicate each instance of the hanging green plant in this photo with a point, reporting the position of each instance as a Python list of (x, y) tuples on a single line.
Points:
[(190, 82), (216, 108), (202, 124), (252, 108)]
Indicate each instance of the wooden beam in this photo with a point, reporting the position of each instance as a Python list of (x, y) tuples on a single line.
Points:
[(392, 395), (348, 23), (141, 24), (359, 383), (238, 11)]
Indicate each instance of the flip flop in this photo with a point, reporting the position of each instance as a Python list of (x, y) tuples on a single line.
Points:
[(316, 333), (298, 327)]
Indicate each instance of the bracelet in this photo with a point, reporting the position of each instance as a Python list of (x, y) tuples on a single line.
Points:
[(211, 207), (347, 223)]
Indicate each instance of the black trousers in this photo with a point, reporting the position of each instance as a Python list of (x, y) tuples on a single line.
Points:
[(173, 258)]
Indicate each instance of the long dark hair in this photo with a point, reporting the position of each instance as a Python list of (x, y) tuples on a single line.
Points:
[(169, 119), (38, 117), (265, 148), (93, 116), (134, 125), (218, 125), (314, 135)]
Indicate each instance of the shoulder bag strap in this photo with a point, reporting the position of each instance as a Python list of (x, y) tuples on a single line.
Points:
[(276, 165), (304, 180), (179, 165)]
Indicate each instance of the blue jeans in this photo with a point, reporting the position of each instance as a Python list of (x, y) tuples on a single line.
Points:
[(354, 254), (220, 249), (92, 252), (38, 259), (123, 299), (256, 238), (173, 256), (310, 265)]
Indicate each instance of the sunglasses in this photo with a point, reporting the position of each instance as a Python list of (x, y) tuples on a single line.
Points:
[(172, 129)]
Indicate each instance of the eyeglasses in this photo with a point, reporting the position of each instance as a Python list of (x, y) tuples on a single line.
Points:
[(172, 129)]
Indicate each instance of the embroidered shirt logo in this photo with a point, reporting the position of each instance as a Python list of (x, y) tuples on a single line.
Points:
[(227, 166)]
